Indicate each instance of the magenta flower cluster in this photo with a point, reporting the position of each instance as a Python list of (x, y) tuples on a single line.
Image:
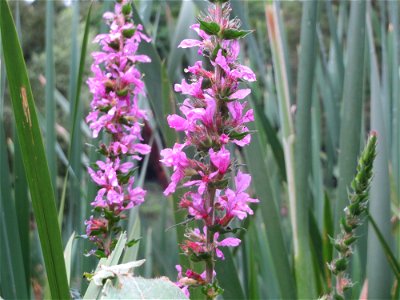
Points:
[(214, 116), (115, 86)]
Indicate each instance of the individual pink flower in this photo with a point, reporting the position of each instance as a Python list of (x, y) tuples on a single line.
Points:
[(221, 159)]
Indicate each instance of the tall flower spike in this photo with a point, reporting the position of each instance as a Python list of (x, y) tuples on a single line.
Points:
[(115, 86), (213, 116)]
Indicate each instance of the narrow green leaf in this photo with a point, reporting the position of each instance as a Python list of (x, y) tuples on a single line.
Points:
[(185, 19), (148, 267), (327, 233), (34, 158), (379, 200), (350, 127), (228, 277), (74, 117), (12, 271), (270, 212), (394, 264), (305, 279), (272, 138), (134, 234), (68, 255), (50, 138)]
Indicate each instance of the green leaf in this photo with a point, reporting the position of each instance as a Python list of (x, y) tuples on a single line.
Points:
[(238, 135), (379, 196), (93, 290), (68, 255), (350, 126), (391, 258), (158, 86), (228, 277), (210, 28), (305, 279), (74, 116), (233, 34), (12, 273), (142, 288), (33, 155)]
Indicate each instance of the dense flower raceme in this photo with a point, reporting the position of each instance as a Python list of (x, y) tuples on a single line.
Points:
[(213, 115), (116, 85)]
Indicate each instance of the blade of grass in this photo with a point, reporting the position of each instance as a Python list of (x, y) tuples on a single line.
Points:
[(327, 232), (393, 7), (379, 200), (262, 185), (317, 183), (148, 250), (298, 205), (74, 117), (273, 140), (21, 199), (254, 288), (352, 104), (74, 218), (68, 255), (305, 279), (185, 19), (12, 271), (49, 96), (394, 264), (34, 157)]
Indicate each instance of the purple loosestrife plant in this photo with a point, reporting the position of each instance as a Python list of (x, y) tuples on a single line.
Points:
[(213, 116), (115, 86)]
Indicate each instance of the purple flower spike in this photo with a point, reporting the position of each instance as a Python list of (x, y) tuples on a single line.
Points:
[(214, 118), (116, 85)]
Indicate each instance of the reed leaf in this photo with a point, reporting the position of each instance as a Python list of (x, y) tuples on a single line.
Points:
[(379, 203), (50, 138), (12, 271), (33, 155), (302, 163), (352, 104)]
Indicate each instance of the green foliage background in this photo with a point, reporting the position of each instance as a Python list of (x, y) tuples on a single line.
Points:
[(346, 71)]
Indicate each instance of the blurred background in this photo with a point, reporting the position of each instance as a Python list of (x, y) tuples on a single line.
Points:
[(51, 37)]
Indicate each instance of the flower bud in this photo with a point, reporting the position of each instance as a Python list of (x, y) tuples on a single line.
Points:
[(127, 9)]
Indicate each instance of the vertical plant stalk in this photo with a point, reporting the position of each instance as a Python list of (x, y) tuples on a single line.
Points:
[(354, 212)]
